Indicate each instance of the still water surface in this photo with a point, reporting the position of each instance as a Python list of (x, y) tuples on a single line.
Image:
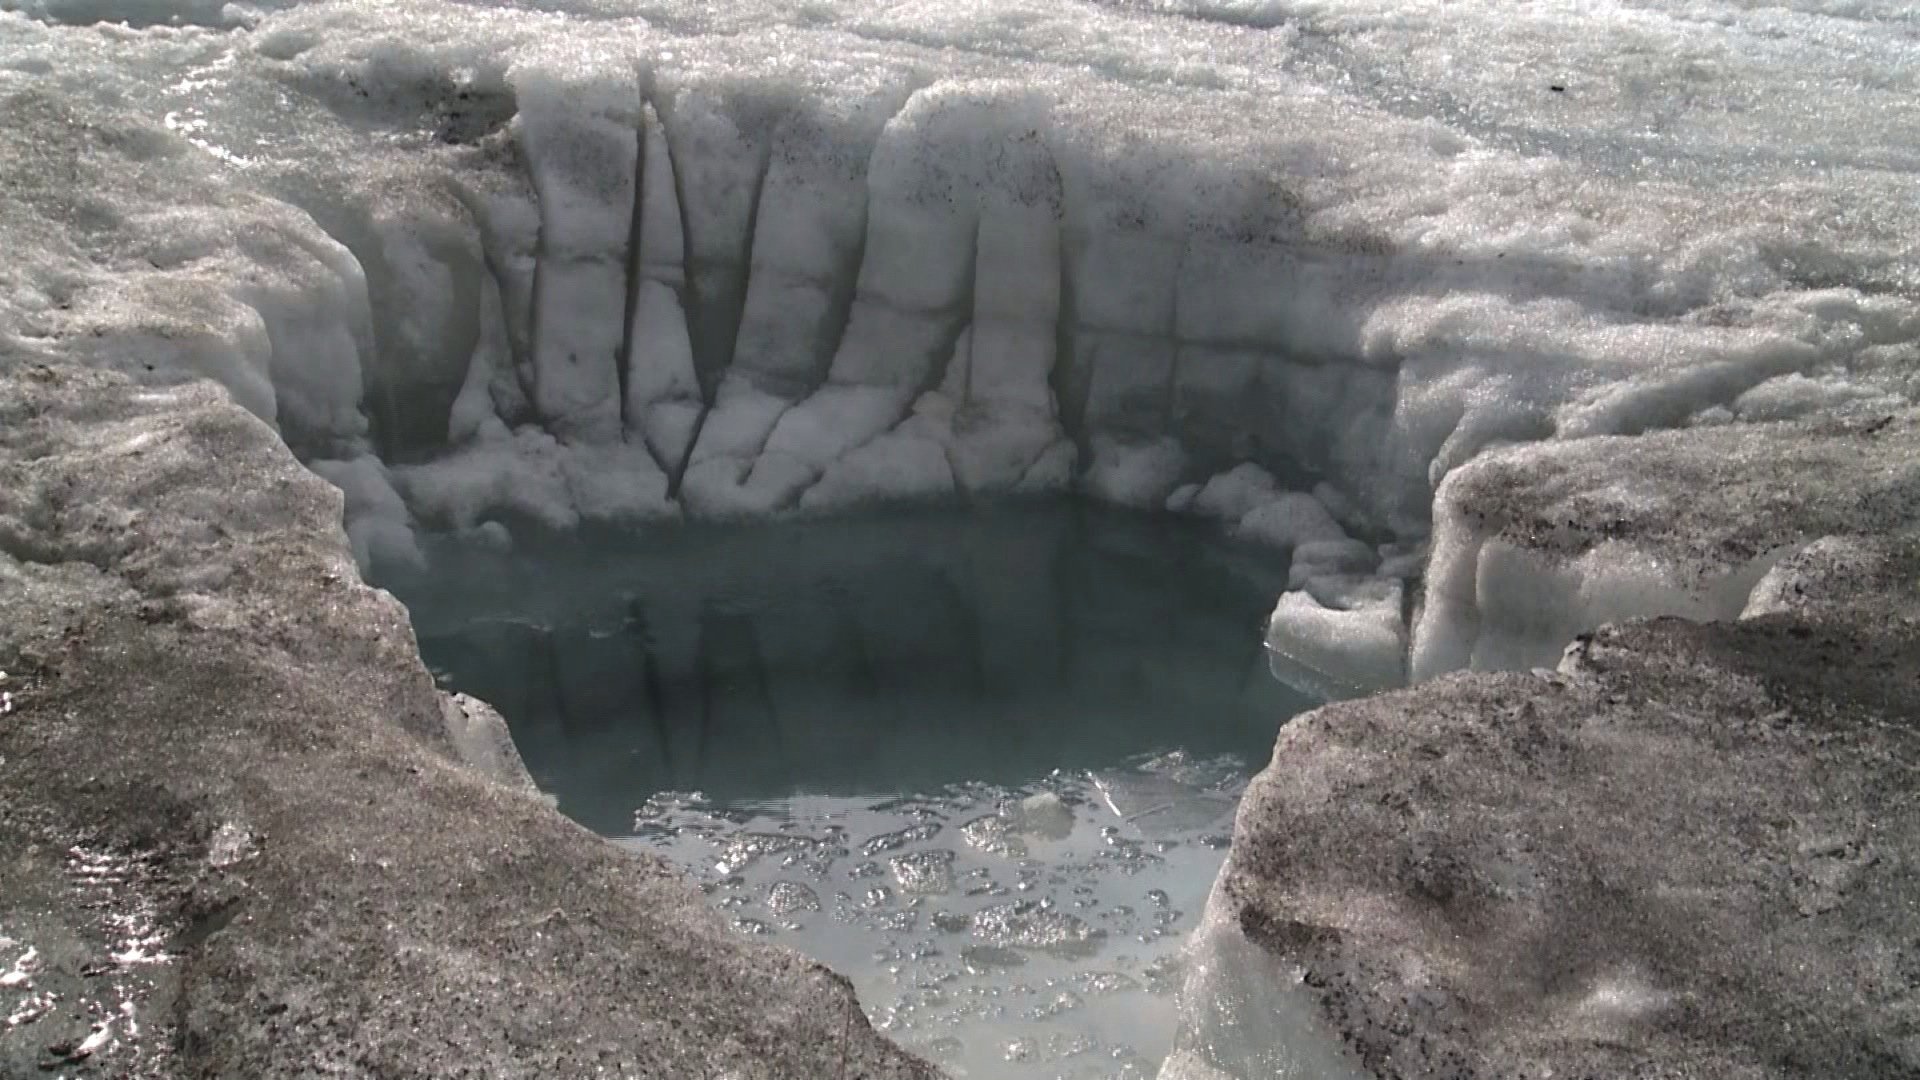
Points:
[(982, 761)]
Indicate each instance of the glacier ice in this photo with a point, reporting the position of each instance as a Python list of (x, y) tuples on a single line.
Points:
[(815, 254), (1288, 265), (1324, 273)]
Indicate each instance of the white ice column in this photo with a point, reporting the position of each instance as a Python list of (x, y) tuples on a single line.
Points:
[(997, 403), (911, 300), (806, 244), (581, 143)]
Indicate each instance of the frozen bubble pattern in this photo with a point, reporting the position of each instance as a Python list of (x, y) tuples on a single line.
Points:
[(1053, 956)]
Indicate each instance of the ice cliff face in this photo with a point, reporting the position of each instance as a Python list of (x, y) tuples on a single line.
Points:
[(1379, 283), (1285, 265)]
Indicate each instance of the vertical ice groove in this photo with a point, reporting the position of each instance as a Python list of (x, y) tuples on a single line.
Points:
[(787, 405), (623, 366), (496, 214), (956, 347), (846, 282), (765, 411), (349, 228), (510, 392), (475, 408), (1173, 367), (807, 238), (964, 397), (663, 402), (962, 173), (689, 287), (1132, 220), (1130, 261), (530, 377), (418, 248), (317, 320), (690, 293), (720, 153), (677, 473), (988, 404), (755, 203), (1005, 416)]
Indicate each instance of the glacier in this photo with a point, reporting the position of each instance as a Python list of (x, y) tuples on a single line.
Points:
[(1287, 266), (1496, 324)]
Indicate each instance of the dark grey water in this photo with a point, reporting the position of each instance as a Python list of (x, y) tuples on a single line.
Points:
[(981, 761), (858, 656)]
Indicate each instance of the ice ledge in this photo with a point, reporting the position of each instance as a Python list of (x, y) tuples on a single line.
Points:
[(1536, 544), (481, 269), (1686, 850)]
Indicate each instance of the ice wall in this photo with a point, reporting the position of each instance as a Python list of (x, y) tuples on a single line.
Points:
[(1285, 265)]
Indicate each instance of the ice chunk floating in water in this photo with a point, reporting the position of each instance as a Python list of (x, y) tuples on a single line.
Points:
[(982, 761)]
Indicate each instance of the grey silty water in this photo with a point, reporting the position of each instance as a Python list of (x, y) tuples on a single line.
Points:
[(982, 761)]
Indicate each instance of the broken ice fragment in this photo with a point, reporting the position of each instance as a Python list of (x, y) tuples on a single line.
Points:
[(927, 873), (1044, 815), (1035, 925), (787, 897), (993, 834), (894, 841), (746, 849), (1159, 805)]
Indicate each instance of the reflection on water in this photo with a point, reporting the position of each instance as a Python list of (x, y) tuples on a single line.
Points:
[(881, 655), (982, 761), (1004, 932)]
